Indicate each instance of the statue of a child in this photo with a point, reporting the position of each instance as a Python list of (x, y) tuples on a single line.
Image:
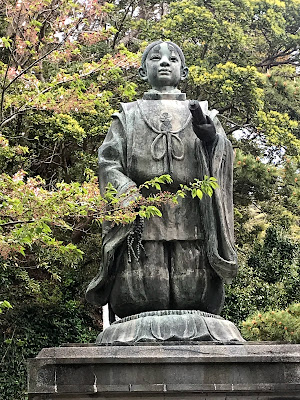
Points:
[(189, 252)]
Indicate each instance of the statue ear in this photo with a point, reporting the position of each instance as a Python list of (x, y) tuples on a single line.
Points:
[(184, 73), (143, 73)]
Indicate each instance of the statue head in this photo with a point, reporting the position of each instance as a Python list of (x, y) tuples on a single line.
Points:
[(163, 65)]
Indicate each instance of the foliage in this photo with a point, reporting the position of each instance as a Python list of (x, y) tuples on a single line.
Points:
[(229, 84), (4, 304), (29, 328), (35, 220), (268, 278), (38, 255), (57, 97), (274, 325)]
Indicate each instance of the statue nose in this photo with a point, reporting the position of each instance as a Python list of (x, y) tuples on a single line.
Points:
[(164, 61)]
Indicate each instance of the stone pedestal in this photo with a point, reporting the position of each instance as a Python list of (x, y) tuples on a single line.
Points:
[(248, 371), (170, 325)]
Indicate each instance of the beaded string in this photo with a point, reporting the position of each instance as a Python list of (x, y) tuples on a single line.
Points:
[(136, 235)]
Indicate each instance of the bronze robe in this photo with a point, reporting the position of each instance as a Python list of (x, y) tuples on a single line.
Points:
[(137, 149)]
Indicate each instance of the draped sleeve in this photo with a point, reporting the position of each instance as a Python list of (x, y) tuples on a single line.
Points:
[(113, 157), (112, 169), (217, 211)]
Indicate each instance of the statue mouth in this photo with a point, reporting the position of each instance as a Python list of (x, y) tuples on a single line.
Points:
[(164, 71)]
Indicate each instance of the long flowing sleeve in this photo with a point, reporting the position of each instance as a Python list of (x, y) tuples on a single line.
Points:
[(217, 211), (113, 157), (112, 169)]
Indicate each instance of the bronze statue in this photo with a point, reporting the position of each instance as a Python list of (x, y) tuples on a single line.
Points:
[(188, 253)]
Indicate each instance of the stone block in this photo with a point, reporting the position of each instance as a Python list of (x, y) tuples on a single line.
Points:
[(174, 371)]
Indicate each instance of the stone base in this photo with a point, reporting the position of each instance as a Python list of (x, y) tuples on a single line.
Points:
[(181, 371), (170, 325)]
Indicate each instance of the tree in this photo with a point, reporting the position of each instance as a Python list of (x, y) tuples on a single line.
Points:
[(279, 325), (269, 278), (59, 87)]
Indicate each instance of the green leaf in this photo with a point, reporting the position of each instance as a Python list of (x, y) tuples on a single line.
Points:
[(22, 250), (214, 185), (199, 193), (4, 304), (6, 42)]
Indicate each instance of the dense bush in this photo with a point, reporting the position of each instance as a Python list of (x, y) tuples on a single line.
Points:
[(269, 278), (31, 327), (283, 325)]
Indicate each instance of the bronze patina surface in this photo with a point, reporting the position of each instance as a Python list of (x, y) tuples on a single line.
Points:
[(188, 253)]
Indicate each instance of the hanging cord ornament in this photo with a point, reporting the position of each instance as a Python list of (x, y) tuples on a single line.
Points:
[(135, 236)]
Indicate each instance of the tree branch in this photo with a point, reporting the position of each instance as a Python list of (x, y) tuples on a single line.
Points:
[(235, 125), (275, 63), (45, 55), (11, 117), (3, 90), (122, 23), (22, 109), (268, 61), (29, 221)]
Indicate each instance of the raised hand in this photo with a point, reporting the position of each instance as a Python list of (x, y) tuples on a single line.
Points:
[(203, 126)]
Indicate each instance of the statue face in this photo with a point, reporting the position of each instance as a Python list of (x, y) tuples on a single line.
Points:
[(163, 67)]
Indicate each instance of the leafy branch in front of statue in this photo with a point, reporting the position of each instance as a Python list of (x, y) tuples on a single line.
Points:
[(33, 218), (198, 188), (40, 229), (147, 206), (4, 304)]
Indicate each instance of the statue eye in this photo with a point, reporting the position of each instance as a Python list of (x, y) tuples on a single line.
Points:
[(155, 57), (174, 59)]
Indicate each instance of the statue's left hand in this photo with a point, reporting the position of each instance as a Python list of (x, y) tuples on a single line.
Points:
[(203, 126), (205, 132)]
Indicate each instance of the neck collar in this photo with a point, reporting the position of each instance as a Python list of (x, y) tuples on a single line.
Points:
[(164, 96)]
